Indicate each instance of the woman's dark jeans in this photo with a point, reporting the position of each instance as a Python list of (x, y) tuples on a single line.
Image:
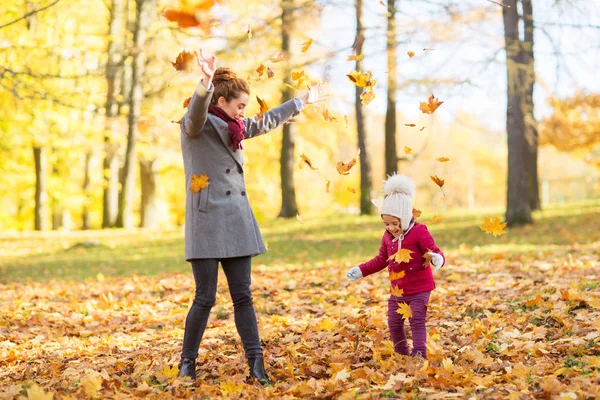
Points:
[(237, 271)]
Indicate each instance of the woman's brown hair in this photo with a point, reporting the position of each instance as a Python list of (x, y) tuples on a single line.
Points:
[(228, 85)]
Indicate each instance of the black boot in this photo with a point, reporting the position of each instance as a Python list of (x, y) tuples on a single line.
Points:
[(257, 370), (187, 368)]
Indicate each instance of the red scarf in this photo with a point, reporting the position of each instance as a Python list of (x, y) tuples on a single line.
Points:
[(236, 126)]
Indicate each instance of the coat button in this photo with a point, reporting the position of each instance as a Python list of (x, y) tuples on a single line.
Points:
[(228, 192), (243, 193), (227, 171)]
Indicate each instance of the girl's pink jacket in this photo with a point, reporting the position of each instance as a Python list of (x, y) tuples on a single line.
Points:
[(417, 278)]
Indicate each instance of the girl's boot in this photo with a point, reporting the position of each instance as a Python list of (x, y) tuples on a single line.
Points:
[(188, 368), (257, 370)]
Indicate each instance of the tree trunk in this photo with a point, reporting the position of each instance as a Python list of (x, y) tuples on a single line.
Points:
[(149, 206), (366, 207), (289, 208), (142, 22), (87, 189), (111, 163), (531, 125), (518, 208), (391, 156), (41, 188)]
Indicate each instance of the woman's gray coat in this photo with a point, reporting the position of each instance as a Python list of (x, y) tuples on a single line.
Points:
[(219, 222)]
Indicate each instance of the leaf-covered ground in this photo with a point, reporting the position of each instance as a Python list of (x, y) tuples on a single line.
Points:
[(516, 316)]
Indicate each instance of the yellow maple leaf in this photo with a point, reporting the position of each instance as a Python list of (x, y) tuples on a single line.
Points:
[(411, 54), (443, 159), (260, 70), (263, 107), (279, 57), (356, 58), (493, 226), (297, 75), (297, 86), (427, 259), (395, 275), (342, 375), (396, 291), (229, 387), (306, 45), (404, 310), (306, 160), (431, 105), (170, 371), (416, 213), (344, 168), (328, 117), (199, 183), (37, 393), (407, 150), (92, 384), (362, 79), (366, 97), (402, 255)]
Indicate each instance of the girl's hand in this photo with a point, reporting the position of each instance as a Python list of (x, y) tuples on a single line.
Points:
[(208, 64), (437, 260), (354, 274), (315, 94)]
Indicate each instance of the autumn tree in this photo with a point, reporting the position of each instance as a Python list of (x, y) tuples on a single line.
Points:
[(391, 157)]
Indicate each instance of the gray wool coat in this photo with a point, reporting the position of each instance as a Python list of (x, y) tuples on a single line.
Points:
[(219, 222)]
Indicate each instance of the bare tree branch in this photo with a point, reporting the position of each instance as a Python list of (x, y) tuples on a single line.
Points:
[(29, 14)]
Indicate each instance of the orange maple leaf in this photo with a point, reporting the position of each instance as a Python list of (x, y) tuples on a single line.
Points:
[(493, 226), (402, 255), (184, 61), (306, 45), (407, 150), (306, 160), (199, 183), (190, 19), (297, 75), (396, 291), (395, 275), (431, 105), (356, 58), (404, 310), (260, 70), (344, 168), (416, 213), (443, 159), (411, 54), (427, 258), (438, 181), (186, 102), (279, 57), (263, 107)]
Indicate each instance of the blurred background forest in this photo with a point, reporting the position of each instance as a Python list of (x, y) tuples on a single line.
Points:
[(89, 96)]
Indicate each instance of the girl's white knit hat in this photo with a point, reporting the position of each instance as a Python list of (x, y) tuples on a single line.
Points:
[(399, 191)]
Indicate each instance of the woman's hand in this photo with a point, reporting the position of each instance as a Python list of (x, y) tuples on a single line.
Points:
[(315, 94), (208, 64)]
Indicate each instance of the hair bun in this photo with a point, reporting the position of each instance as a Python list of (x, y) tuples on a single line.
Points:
[(399, 184), (223, 74)]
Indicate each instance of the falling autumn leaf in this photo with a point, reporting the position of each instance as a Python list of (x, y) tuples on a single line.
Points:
[(306, 160), (396, 291), (199, 183), (249, 33), (306, 45), (411, 125), (493, 226), (351, 190), (344, 168), (420, 130), (195, 19), (260, 70), (407, 150), (177, 122), (327, 185), (362, 79), (435, 219), (443, 159), (297, 86), (366, 97), (263, 107), (279, 57), (356, 57), (328, 117), (431, 105), (270, 73), (438, 181), (184, 61), (382, 3), (401, 256), (416, 213), (411, 54), (297, 75), (404, 310), (395, 275), (186, 102)]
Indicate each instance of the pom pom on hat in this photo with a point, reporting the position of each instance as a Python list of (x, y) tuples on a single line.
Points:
[(399, 191)]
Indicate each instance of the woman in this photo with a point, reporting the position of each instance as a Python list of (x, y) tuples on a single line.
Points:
[(219, 223)]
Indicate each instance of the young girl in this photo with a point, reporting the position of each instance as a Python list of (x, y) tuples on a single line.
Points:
[(219, 224), (411, 281)]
